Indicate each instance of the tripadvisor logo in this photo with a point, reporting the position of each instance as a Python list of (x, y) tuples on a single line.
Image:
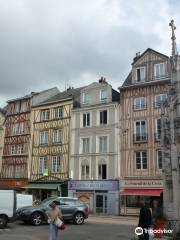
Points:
[(139, 231)]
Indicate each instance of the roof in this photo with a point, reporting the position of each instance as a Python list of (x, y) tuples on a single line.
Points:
[(62, 96), (147, 50), (128, 80), (30, 95)]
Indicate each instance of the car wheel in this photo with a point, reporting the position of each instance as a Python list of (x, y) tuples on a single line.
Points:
[(36, 219), (79, 218), (3, 222)]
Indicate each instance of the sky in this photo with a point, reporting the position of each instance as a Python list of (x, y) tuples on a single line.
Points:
[(47, 43)]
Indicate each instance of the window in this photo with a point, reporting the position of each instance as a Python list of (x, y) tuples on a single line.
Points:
[(86, 119), (56, 164), (141, 160), (21, 128), (23, 106), (15, 129), (159, 70), (139, 103), (102, 171), (160, 99), (57, 135), (140, 74), (103, 144), (17, 107), (103, 94), (86, 98), (159, 159), (103, 117), (44, 137), (45, 115), (136, 201), (13, 149), (85, 172), (140, 131), (158, 130), (58, 112), (85, 145), (18, 171), (20, 149), (42, 164)]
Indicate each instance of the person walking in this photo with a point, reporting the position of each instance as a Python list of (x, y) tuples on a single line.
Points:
[(145, 220), (53, 213)]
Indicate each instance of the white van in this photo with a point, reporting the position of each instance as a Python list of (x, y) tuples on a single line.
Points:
[(24, 200), (7, 206)]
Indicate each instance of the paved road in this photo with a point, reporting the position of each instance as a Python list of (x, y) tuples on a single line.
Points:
[(93, 229)]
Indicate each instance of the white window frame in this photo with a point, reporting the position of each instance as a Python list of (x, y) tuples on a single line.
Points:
[(58, 112), (158, 74), (101, 94), (13, 149), (157, 159), (102, 148), (140, 106), (157, 131), (101, 124), (42, 163), (43, 137), (140, 134), (15, 128), (85, 168), (87, 149), (21, 127), (141, 160), (20, 149), (56, 164), (85, 114), (158, 104), (86, 101), (57, 136), (45, 115), (141, 79)]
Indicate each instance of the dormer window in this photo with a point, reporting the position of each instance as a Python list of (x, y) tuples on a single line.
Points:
[(159, 70), (86, 98), (103, 94), (140, 74)]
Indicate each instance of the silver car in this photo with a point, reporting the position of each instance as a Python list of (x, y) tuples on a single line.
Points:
[(72, 209)]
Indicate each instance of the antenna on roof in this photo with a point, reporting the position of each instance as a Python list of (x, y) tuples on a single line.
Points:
[(66, 84)]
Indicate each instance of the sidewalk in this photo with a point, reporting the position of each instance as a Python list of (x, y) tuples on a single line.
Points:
[(127, 220)]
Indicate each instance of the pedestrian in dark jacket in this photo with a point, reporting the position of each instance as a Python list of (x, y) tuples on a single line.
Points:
[(145, 221)]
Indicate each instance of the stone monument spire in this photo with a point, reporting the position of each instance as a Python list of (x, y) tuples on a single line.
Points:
[(174, 57)]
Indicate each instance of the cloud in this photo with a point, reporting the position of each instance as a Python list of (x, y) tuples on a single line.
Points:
[(45, 43)]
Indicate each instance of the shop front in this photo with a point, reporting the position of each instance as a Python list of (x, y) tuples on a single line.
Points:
[(42, 190), (102, 197), (17, 184), (134, 191)]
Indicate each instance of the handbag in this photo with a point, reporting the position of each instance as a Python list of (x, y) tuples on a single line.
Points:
[(59, 224)]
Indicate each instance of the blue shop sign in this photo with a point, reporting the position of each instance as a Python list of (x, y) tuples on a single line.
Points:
[(111, 185)]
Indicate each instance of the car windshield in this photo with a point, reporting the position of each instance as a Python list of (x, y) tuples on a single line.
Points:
[(46, 201)]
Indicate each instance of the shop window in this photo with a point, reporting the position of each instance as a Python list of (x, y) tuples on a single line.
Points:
[(134, 201)]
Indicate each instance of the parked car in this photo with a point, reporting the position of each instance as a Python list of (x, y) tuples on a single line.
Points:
[(72, 209), (7, 207)]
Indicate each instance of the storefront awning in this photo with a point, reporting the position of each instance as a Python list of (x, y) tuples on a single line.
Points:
[(43, 186), (145, 192)]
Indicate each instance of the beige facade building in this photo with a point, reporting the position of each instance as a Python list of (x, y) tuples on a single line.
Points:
[(141, 96)]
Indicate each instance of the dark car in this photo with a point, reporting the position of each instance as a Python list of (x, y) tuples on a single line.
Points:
[(72, 209)]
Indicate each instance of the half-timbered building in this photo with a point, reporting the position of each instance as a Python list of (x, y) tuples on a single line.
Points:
[(16, 151), (2, 130), (51, 145), (141, 97)]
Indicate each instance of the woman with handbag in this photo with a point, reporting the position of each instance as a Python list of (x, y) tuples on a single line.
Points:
[(53, 214)]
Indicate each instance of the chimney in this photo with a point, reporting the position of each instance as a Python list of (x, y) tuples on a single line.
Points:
[(138, 54), (102, 80)]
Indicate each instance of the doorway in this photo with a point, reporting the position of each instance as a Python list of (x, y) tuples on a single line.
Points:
[(101, 203)]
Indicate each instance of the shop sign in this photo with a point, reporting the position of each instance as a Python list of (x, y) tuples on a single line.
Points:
[(93, 185), (142, 183)]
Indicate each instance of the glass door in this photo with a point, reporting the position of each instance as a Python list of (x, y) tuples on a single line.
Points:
[(101, 204)]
